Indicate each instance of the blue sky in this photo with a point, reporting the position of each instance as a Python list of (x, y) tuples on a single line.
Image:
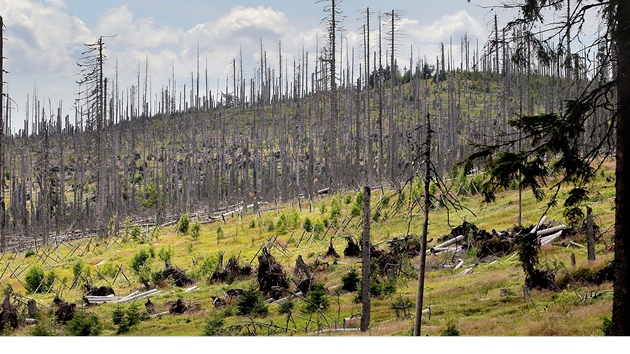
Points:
[(44, 38)]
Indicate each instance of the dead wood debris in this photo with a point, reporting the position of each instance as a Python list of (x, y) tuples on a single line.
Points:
[(65, 311), (233, 270), (178, 276), (8, 315), (270, 273)]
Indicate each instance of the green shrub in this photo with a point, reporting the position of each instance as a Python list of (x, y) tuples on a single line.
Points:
[(220, 234), (166, 255), (351, 280), (184, 224), (29, 253), (319, 229), (450, 330), (214, 326), (308, 225), (136, 234), (37, 281), (335, 208), (317, 299), (356, 210), (42, 330), (195, 231), (84, 324), (141, 265), (124, 320), (252, 303), (286, 307)]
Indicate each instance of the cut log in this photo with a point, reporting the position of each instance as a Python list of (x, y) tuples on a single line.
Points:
[(447, 243), (550, 230), (461, 262), (548, 239), (571, 243)]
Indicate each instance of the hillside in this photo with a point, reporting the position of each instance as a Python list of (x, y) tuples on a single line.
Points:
[(483, 297)]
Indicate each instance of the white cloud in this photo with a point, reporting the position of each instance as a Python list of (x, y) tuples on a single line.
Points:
[(41, 38), (136, 33), (454, 25)]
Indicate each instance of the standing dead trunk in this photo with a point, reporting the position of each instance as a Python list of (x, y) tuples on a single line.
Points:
[(365, 259), (590, 239), (425, 224)]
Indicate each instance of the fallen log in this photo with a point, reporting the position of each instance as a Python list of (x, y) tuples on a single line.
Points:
[(447, 243), (550, 230), (548, 239)]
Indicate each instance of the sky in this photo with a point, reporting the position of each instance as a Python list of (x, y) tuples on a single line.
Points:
[(44, 39)]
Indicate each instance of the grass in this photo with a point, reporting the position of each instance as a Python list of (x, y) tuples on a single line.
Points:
[(490, 301)]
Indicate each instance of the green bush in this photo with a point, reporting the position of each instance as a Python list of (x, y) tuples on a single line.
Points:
[(214, 325), (37, 281), (220, 234), (286, 307), (252, 303), (136, 233), (351, 280), (335, 208), (84, 324), (195, 231), (356, 210), (184, 224), (166, 255), (450, 330), (124, 320), (42, 330), (141, 265), (317, 299), (308, 225)]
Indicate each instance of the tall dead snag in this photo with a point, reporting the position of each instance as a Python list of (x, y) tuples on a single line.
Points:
[(3, 240), (365, 259), (330, 139), (93, 92), (425, 225)]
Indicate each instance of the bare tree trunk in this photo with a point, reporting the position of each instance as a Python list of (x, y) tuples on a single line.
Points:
[(590, 239), (425, 224), (621, 308), (365, 262)]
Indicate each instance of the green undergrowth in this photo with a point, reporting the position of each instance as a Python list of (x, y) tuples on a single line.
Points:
[(488, 301)]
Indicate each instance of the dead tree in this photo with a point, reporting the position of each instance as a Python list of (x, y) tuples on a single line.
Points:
[(365, 259)]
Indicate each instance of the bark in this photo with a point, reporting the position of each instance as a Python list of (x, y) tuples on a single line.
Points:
[(621, 296), (365, 259), (425, 225)]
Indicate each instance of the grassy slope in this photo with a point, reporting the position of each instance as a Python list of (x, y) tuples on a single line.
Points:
[(472, 302)]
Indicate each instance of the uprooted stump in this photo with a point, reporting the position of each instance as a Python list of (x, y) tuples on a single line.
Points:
[(541, 280), (31, 306), (233, 270), (270, 272), (98, 290), (178, 307), (301, 268), (8, 315), (65, 311), (149, 307), (352, 249), (178, 276), (331, 250)]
